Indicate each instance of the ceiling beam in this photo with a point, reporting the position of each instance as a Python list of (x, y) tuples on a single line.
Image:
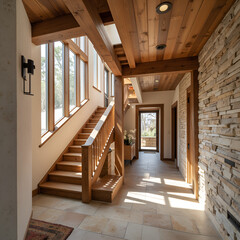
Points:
[(85, 13), (56, 29), (137, 89), (180, 65), (122, 21), (107, 18)]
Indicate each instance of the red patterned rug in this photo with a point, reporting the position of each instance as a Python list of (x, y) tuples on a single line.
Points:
[(39, 230)]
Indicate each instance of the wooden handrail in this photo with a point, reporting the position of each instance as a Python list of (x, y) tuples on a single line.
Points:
[(95, 150)]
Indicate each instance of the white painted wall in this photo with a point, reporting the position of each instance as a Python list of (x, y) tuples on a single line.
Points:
[(45, 156), (160, 97)]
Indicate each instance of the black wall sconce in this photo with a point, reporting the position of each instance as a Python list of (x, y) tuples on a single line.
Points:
[(29, 68)]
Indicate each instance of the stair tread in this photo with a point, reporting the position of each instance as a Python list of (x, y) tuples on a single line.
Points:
[(62, 186), (70, 163), (66, 174), (75, 146), (73, 154), (106, 183)]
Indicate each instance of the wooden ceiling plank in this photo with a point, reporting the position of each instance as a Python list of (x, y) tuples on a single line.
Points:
[(122, 21), (178, 13), (57, 29), (153, 28), (188, 20), (217, 14), (164, 22), (200, 20), (86, 15), (140, 8), (163, 66)]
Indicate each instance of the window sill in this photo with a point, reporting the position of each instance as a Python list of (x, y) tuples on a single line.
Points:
[(49, 134), (97, 89)]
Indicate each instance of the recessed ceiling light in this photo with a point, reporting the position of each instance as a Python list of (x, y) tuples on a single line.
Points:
[(163, 7), (160, 46), (156, 80)]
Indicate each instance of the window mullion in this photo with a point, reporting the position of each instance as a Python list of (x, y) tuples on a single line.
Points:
[(66, 80), (51, 125), (78, 90)]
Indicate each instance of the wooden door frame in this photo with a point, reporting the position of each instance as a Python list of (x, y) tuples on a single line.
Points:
[(161, 108), (174, 130), (188, 123), (157, 129)]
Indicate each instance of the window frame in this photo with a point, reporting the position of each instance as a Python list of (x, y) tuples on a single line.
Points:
[(75, 48)]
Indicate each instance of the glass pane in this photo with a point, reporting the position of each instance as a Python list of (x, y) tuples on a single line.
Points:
[(148, 131), (44, 87), (112, 84), (83, 80), (99, 72), (82, 44), (72, 80), (74, 40), (95, 67), (106, 81), (59, 80)]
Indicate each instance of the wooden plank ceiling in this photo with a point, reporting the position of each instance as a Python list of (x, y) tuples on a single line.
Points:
[(184, 29)]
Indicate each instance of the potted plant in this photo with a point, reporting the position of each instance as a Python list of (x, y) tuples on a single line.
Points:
[(129, 145)]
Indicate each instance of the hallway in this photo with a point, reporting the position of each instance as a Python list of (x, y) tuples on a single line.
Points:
[(154, 203)]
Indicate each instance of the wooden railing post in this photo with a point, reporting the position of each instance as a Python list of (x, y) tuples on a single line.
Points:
[(86, 173)]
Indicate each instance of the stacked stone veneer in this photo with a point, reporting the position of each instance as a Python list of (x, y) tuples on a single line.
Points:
[(183, 85), (219, 123)]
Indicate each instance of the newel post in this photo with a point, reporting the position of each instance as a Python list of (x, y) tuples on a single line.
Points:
[(86, 173)]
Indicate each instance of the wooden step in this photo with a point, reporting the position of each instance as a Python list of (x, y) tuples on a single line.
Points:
[(75, 149), (101, 109), (83, 135), (62, 189), (79, 142), (72, 157), (97, 115), (66, 177), (91, 125), (69, 166), (94, 121), (87, 130), (106, 188)]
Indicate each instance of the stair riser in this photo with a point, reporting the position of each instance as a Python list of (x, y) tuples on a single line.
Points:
[(94, 121), (64, 179), (79, 142), (91, 125), (61, 193), (83, 136), (72, 158), (85, 130), (69, 168), (75, 150)]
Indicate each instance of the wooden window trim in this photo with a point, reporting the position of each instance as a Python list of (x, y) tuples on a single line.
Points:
[(66, 80), (61, 123), (97, 89)]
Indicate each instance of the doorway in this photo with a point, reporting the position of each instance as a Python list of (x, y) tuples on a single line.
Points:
[(174, 133), (149, 131), (106, 88), (189, 161)]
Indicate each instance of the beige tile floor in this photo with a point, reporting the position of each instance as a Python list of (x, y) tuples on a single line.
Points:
[(154, 203)]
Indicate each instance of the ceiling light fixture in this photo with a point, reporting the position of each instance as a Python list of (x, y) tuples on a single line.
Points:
[(156, 80), (163, 7), (161, 46)]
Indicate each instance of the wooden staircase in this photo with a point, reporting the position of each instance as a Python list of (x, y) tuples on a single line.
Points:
[(65, 176)]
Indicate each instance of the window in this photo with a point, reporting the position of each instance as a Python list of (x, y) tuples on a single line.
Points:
[(59, 80), (72, 80), (112, 85), (63, 87), (44, 89), (95, 69), (82, 80), (83, 44)]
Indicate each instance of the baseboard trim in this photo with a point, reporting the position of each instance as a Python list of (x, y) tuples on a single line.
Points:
[(35, 192)]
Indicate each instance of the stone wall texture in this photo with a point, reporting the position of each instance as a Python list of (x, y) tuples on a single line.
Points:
[(219, 123), (183, 85)]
